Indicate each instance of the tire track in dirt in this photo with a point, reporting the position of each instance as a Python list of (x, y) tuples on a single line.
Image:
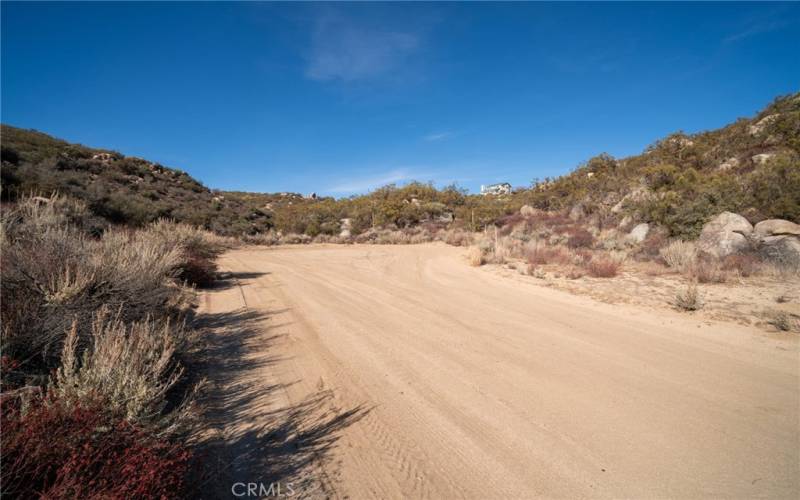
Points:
[(478, 385)]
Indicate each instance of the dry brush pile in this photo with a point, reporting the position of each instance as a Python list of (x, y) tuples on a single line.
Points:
[(93, 343)]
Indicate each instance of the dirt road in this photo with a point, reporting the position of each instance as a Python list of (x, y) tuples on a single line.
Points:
[(402, 371)]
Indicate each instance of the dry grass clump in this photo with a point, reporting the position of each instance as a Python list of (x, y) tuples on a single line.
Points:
[(689, 299), (783, 321), (295, 239), (650, 248), (679, 255), (198, 248), (684, 258), (575, 273), (33, 214), (272, 238), (457, 237), (475, 256), (603, 266), (268, 238), (503, 249), (744, 265), (538, 253), (128, 368), (536, 272), (580, 238), (707, 270)]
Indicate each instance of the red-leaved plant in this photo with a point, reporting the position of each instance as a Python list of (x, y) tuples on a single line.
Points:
[(52, 450)]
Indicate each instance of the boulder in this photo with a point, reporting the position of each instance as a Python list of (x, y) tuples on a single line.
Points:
[(638, 233), (725, 234), (775, 227), (763, 123), (527, 210), (778, 242), (781, 250), (762, 158), (729, 164), (346, 227)]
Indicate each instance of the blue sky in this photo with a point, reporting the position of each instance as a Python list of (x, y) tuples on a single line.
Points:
[(341, 98)]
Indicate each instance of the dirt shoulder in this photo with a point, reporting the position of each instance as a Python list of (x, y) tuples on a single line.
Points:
[(750, 301)]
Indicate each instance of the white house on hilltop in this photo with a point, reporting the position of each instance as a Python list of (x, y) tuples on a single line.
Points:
[(496, 189)]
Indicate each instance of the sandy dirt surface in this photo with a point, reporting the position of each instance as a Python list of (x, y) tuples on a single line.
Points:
[(389, 371), (748, 301)]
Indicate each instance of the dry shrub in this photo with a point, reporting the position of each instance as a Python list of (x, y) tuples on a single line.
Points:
[(295, 239), (117, 373), (689, 299), (536, 272), (575, 273), (509, 248), (327, 238), (53, 450), (580, 238), (654, 269), (458, 237), (708, 270), (507, 223), (433, 228), (475, 256), (537, 253), (58, 275), (650, 249), (33, 214), (679, 255), (499, 254), (198, 249), (744, 265), (54, 275), (783, 321), (603, 266), (129, 369), (581, 256), (268, 238)]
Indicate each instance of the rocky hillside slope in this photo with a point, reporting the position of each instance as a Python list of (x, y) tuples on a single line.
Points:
[(750, 167)]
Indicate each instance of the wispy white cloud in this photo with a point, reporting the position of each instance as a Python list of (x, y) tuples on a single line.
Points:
[(438, 136), (347, 50), (358, 185), (756, 29)]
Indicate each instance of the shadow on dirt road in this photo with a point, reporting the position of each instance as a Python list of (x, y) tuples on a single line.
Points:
[(250, 434)]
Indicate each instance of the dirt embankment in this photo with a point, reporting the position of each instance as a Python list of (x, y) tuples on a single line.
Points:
[(377, 371)]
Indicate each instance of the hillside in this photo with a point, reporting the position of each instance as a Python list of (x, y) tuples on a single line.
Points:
[(750, 167), (120, 189)]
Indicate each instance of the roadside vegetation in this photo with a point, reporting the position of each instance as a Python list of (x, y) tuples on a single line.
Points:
[(677, 184), (95, 342)]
